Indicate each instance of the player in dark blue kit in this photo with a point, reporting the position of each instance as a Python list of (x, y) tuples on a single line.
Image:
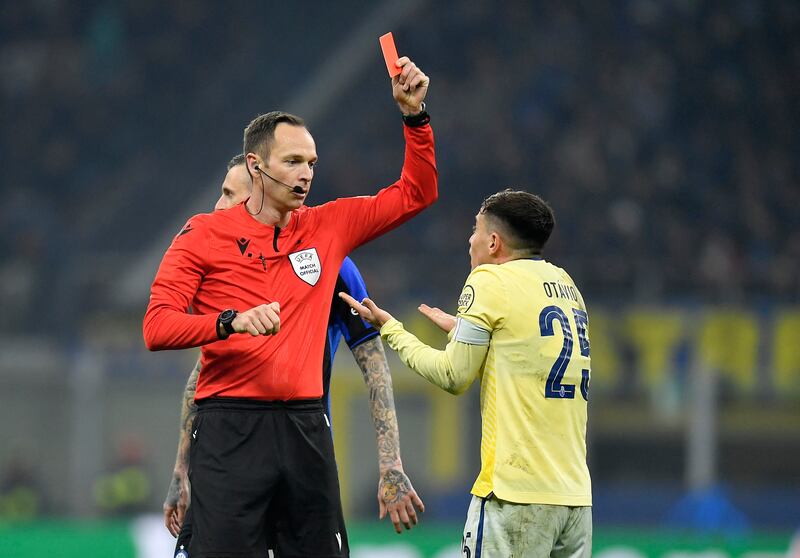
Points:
[(395, 492), (344, 324)]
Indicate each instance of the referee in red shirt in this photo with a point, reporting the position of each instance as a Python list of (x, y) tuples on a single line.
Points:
[(259, 279)]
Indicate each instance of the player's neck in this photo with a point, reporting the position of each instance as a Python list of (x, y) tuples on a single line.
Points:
[(517, 255)]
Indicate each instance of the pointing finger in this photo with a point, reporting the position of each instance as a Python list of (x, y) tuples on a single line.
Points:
[(353, 303)]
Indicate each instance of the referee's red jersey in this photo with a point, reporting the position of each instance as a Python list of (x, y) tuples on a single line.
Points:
[(227, 259)]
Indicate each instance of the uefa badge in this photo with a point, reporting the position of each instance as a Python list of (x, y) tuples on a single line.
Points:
[(306, 265)]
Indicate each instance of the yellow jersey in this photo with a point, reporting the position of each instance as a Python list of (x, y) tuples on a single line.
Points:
[(534, 382), (534, 378)]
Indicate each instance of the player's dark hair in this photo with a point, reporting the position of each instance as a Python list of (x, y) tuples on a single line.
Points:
[(525, 218), (260, 133), (237, 160)]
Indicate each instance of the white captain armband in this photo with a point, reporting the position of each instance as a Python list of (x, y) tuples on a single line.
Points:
[(471, 334)]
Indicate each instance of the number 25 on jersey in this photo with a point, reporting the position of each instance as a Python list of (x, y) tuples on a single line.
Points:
[(554, 389)]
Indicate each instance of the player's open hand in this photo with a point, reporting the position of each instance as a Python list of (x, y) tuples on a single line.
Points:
[(177, 502), (397, 498), (262, 320), (410, 86), (441, 318), (368, 310)]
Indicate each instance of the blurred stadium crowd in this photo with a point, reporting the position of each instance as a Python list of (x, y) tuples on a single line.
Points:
[(662, 132)]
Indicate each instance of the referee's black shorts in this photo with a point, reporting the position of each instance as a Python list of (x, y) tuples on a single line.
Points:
[(263, 473)]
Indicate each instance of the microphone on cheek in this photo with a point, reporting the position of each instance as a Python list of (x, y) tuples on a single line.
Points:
[(295, 189)]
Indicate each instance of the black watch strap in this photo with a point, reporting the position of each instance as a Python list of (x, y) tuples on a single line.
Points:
[(419, 119)]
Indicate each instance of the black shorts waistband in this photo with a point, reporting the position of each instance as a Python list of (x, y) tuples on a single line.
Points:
[(241, 404)]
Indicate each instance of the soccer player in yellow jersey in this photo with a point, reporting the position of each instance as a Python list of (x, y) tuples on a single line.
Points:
[(521, 328)]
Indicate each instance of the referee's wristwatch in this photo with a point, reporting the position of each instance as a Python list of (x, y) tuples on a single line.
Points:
[(225, 323), (419, 119)]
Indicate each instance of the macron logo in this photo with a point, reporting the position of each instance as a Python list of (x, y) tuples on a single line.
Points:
[(242, 243)]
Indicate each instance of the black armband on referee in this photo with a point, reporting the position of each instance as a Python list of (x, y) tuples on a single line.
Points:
[(419, 119)]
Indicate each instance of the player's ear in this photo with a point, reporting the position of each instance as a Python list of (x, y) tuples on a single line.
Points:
[(494, 243)]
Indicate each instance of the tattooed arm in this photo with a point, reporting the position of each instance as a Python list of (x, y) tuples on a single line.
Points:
[(396, 496), (177, 500)]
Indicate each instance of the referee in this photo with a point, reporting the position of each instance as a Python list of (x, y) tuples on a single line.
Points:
[(394, 490), (259, 279)]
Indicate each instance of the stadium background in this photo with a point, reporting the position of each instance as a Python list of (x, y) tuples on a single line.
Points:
[(662, 132)]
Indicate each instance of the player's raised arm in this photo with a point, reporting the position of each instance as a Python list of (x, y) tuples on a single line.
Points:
[(453, 369)]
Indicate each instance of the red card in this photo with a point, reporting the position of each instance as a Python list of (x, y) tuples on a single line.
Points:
[(389, 53)]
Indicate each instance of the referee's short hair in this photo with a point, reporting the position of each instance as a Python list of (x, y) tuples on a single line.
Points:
[(260, 133), (526, 218)]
